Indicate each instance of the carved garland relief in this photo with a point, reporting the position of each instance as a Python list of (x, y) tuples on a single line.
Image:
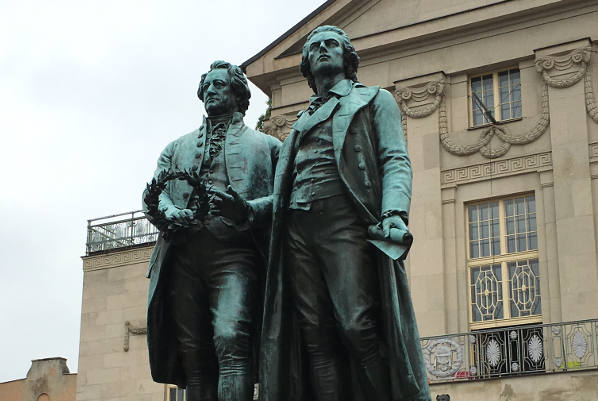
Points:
[(557, 71)]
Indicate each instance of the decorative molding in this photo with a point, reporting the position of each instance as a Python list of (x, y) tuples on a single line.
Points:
[(591, 106), (494, 169), (564, 70), (443, 357), (279, 126), (130, 330), (499, 131), (120, 258), (421, 100), (593, 149)]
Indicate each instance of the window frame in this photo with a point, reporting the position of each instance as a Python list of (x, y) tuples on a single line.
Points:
[(168, 387), (502, 259), (496, 97)]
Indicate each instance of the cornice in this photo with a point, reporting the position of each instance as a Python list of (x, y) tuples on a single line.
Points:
[(117, 258)]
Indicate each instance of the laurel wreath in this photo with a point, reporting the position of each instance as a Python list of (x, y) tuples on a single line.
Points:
[(200, 200)]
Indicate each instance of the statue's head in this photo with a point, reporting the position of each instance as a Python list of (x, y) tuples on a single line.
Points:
[(443, 397), (328, 50), (224, 89)]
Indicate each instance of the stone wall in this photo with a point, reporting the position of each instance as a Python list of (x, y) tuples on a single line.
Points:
[(113, 357)]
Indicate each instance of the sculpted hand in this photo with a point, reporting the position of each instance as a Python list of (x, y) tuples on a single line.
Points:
[(179, 217), (230, 205), (394, 221)]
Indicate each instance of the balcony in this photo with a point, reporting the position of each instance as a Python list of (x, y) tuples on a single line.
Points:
[(512, 351), (119, 231)]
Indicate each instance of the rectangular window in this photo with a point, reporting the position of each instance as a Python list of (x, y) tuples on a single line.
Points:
[(173, 393), (504, 275), (500, 92)]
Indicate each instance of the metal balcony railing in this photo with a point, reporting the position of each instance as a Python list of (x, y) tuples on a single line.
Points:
[(512, 351), (123, 230)]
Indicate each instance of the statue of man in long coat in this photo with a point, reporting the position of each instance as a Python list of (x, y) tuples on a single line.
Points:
[(206, 277), (338, 319)]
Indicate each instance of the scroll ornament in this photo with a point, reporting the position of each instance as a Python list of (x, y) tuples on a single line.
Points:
[(409, 98), (566, 70), (558, 71)]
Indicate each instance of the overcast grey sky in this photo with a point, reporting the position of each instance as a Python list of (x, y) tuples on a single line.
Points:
[(90, 93)]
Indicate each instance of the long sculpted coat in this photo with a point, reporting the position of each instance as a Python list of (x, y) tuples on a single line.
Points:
[(250, 158), (374, 167)]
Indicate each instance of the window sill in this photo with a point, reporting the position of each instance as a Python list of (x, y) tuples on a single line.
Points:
[(501, 122)]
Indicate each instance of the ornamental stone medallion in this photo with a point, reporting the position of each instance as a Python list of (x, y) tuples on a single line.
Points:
[(443, 357)]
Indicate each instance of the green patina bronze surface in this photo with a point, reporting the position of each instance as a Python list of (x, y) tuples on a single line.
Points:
[(338, 318), (211, 199)]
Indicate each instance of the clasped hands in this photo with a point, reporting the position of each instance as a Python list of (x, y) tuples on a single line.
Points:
[(226, 204)]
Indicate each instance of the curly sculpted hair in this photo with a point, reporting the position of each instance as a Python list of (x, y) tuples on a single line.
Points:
[(238, 83)]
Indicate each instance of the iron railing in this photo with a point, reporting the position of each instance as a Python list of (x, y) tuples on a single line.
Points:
[(123, 230), (512, 351)]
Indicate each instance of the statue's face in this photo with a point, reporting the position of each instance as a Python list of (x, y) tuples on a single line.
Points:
[(218, 96), (325, 54)]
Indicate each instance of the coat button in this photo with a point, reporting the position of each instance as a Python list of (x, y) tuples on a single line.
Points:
[(186, 195), (197, 155), (357, 148), (361, 166), (199, 144)]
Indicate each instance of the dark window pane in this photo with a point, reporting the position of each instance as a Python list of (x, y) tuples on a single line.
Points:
[(496, 247), (474, 250), (476, 86), (521, 224), (531, 204), (172, 394), (531, 222), (516, 110), (511, 243), (473, 213), (495, 228), (521, 243), (515, 79), (473, 231), (509, 207), (516, 94), (494, 210), (510, 225), (484, 230), (478, 118), (485, 248), (533, 241), (505, 111), (484, 212), (520, 206)]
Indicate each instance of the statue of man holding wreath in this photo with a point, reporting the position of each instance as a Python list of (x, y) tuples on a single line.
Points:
[(211, 200)]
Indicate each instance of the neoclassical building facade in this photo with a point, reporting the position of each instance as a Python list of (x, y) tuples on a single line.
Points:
[(501, 118)]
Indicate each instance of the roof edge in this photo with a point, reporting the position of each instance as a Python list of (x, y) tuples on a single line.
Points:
[(286, 34)]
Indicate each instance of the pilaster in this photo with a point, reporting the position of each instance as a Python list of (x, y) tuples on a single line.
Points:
[(563, 67), (419, 99)]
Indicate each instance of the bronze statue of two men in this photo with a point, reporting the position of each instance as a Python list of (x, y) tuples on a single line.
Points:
[(280, 270)]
